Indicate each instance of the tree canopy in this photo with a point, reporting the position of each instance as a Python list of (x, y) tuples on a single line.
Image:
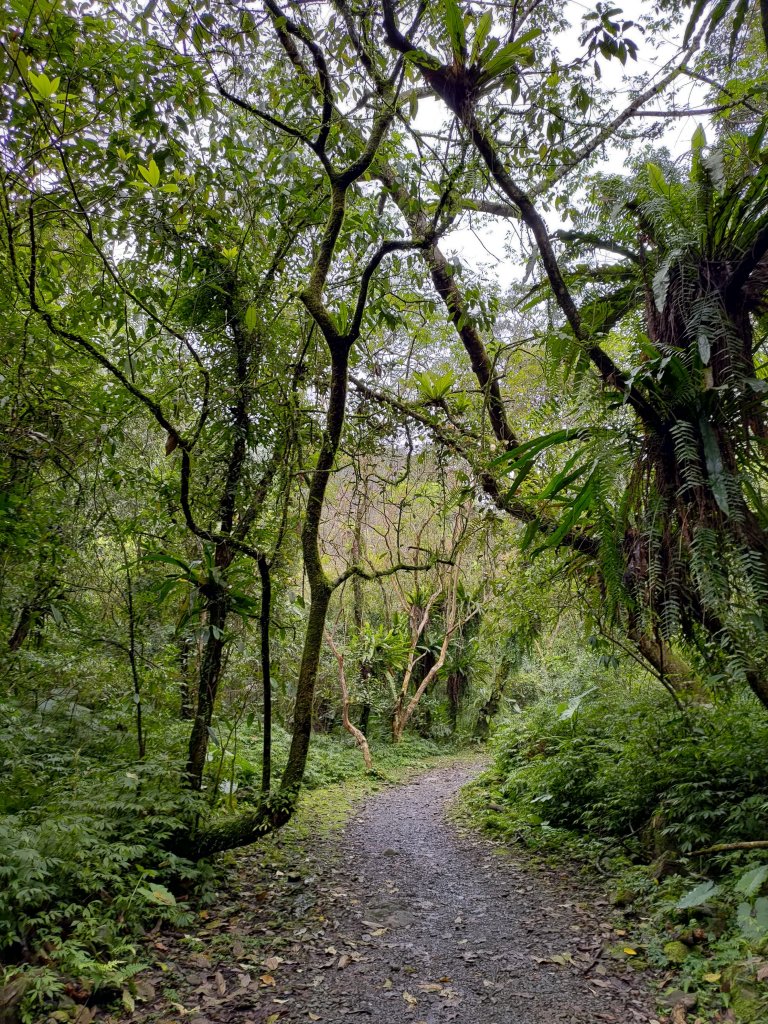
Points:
[(273, 407)]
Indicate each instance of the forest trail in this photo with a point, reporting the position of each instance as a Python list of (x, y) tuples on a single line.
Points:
[(401, 919)]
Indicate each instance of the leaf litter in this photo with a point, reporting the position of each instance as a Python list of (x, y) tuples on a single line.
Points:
[(400, 920)]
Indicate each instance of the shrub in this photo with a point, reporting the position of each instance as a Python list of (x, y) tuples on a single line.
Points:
[(623, 760)]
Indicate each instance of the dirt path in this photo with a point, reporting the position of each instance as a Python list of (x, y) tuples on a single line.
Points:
[(400, 920)]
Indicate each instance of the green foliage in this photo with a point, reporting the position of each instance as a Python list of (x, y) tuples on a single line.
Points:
[(85, 863), (625, 762), (605, 767)]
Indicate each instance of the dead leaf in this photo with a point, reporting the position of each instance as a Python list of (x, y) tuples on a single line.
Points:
[(408, 998), (313, 1016), (762, 972), (430, 986), (344, 960), (273, 962), (273, 1018), (267, 979), (556, 958), (221, 985), (387, 984), (181, 1010), (145, 990)]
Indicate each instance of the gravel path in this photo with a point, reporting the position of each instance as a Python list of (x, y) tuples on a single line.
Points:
[(401, 919), (449, 931)]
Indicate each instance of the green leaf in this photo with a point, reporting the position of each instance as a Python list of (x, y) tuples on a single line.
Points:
[(714, 164), (714, 462), (482, 32), (454, 24), (751, 882), (433, 386), (517, 52), (661, 285), (699, 140), (656, 179), (753, 920), (422, 59), (158, 894), (580, 504), (538, 444), (43, 85), (567, 710), (151, 173), (168, 560), (698, 896), (530, 532), (251, 317), (565, 477), (523, 473)]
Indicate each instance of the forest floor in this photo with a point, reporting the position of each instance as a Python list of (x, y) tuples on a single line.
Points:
[(400, 917)]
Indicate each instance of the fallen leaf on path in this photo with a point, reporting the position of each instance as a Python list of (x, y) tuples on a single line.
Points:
[(181, 1010), (410, 999), (313, 1016), (273, 962), (344, 960), (556, 958), (430, 986), (267, 979)]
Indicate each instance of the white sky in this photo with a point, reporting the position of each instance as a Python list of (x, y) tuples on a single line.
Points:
[(486, 246)]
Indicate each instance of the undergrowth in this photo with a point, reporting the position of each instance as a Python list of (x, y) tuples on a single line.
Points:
[(86, 831), (610, 770)]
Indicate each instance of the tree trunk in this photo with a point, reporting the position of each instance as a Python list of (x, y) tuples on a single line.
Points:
[(319, 586), (266, 672), (365, 714), (21, 632), (675, 673), (360, 740), (186, 710), (208, 685), (358, 611)]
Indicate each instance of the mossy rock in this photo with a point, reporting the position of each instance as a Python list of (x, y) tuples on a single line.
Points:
[(747, 1006), (623, 897), (676, 952)]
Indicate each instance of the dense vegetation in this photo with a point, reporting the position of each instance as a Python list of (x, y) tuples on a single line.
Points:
[(284, 457)]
